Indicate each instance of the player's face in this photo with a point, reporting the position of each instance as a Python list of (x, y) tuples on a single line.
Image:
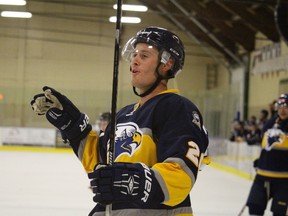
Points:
[(103, 125), (143, 66), (283, 112)]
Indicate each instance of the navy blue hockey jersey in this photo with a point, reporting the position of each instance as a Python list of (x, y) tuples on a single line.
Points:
[(167, 134), (273, 160)]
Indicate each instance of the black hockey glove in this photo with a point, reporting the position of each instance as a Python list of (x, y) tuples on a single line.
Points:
[(62, 113), (125, 182)]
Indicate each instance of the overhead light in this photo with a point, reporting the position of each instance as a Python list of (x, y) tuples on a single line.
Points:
[(125, 19), (12, 2), (16, 14), (129, 7)]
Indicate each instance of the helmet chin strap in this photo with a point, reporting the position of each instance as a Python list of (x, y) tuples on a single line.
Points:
[(153, 86)]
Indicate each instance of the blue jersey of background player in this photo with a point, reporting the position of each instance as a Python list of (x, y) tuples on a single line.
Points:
[(271, 181)]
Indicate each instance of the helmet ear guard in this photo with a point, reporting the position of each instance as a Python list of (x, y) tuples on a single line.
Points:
[(167, 60), (165, 56)]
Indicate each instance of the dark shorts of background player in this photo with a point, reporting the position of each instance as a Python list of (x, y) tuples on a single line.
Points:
[(264, 189)]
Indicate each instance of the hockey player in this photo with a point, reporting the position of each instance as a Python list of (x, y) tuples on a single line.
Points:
[(159, 143), (271, 181), (102, 122)]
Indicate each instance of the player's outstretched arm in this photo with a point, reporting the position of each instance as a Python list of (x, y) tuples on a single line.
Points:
[(63, 114)]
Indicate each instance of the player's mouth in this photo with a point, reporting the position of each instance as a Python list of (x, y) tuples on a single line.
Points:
[(134, 71)]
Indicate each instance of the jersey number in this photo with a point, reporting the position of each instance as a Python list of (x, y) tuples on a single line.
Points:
[(193, 153)]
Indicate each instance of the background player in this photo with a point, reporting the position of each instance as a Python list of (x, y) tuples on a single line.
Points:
[(102, 122), (271, 181)]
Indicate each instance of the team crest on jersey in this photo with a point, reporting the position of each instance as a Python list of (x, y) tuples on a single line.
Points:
[(196, 119), (128, 138), (274, 138)]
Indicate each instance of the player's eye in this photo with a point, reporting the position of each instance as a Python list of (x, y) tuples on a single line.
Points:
[(143, 56)]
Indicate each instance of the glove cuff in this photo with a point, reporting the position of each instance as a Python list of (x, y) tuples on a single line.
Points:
[(152, 192), (79, 130)]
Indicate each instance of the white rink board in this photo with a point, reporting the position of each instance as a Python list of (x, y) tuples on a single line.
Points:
[(28, 136)]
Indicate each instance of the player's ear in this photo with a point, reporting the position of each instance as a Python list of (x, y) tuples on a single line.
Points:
[(164, 68)]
